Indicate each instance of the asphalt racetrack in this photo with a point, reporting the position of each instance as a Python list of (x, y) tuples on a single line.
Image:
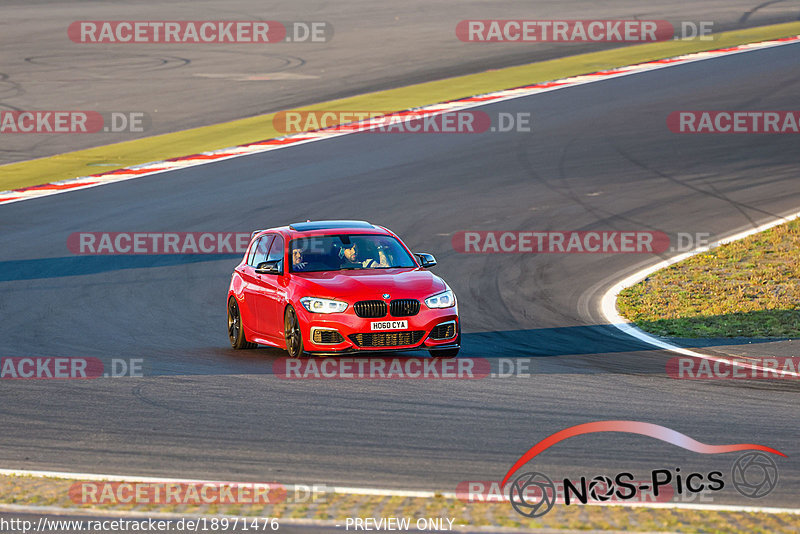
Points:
[(371, 47), (599, 157)]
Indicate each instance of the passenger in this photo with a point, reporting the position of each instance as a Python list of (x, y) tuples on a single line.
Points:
[(350, 260)]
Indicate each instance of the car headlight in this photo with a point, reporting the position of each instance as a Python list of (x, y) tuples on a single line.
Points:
[(445, 299), (315, 305)]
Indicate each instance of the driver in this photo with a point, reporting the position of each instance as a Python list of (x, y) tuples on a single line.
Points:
[(297, 260), (348, 255)]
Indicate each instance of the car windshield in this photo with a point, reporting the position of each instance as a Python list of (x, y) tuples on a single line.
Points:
[(347, 252)]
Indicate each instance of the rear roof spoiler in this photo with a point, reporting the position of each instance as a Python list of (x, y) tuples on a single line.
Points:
[(328, 225)]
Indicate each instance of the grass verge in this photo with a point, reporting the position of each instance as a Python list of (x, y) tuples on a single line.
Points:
[(750, 288), (228, 134)]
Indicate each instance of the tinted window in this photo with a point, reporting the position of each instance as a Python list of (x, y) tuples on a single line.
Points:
[(354, 251), (258, 253)]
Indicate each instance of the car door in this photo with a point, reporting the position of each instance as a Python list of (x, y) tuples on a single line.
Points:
[(254, 292), (273, 293)]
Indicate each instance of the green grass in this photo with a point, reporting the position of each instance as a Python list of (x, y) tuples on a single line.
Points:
[(750, 288)]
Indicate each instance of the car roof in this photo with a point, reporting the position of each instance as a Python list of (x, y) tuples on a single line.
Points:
[(313, 228)]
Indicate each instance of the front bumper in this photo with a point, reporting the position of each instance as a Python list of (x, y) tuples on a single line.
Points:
[(356, 334)]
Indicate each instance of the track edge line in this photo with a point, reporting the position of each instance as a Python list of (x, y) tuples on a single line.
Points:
[(608, 302)]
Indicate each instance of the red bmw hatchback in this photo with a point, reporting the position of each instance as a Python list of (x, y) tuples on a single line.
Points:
[(335, 287)]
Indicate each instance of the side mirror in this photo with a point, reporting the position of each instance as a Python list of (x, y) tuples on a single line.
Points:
[(269, 267), (426, 260)]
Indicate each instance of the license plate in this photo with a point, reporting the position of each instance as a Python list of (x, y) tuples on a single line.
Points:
[(389, 325)]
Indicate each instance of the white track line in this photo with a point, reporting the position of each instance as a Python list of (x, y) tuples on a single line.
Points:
[(608, 304), (370, 492), (159, 167)]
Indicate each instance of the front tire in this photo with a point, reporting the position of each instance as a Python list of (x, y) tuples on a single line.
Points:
[(292, 333), (235, 327)]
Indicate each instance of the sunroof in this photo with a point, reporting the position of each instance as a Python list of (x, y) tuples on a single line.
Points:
[(327, 225)]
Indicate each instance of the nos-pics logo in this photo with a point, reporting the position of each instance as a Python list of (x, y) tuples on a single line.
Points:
[(754, 474)]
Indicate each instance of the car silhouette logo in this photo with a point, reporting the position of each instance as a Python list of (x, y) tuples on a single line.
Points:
[(386, 295)]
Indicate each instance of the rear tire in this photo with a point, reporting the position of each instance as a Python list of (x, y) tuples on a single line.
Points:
[(292, 333), (235, 327)]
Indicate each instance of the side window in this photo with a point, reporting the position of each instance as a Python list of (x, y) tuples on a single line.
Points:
[(252, 252), (258, 254), (276, 250)]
